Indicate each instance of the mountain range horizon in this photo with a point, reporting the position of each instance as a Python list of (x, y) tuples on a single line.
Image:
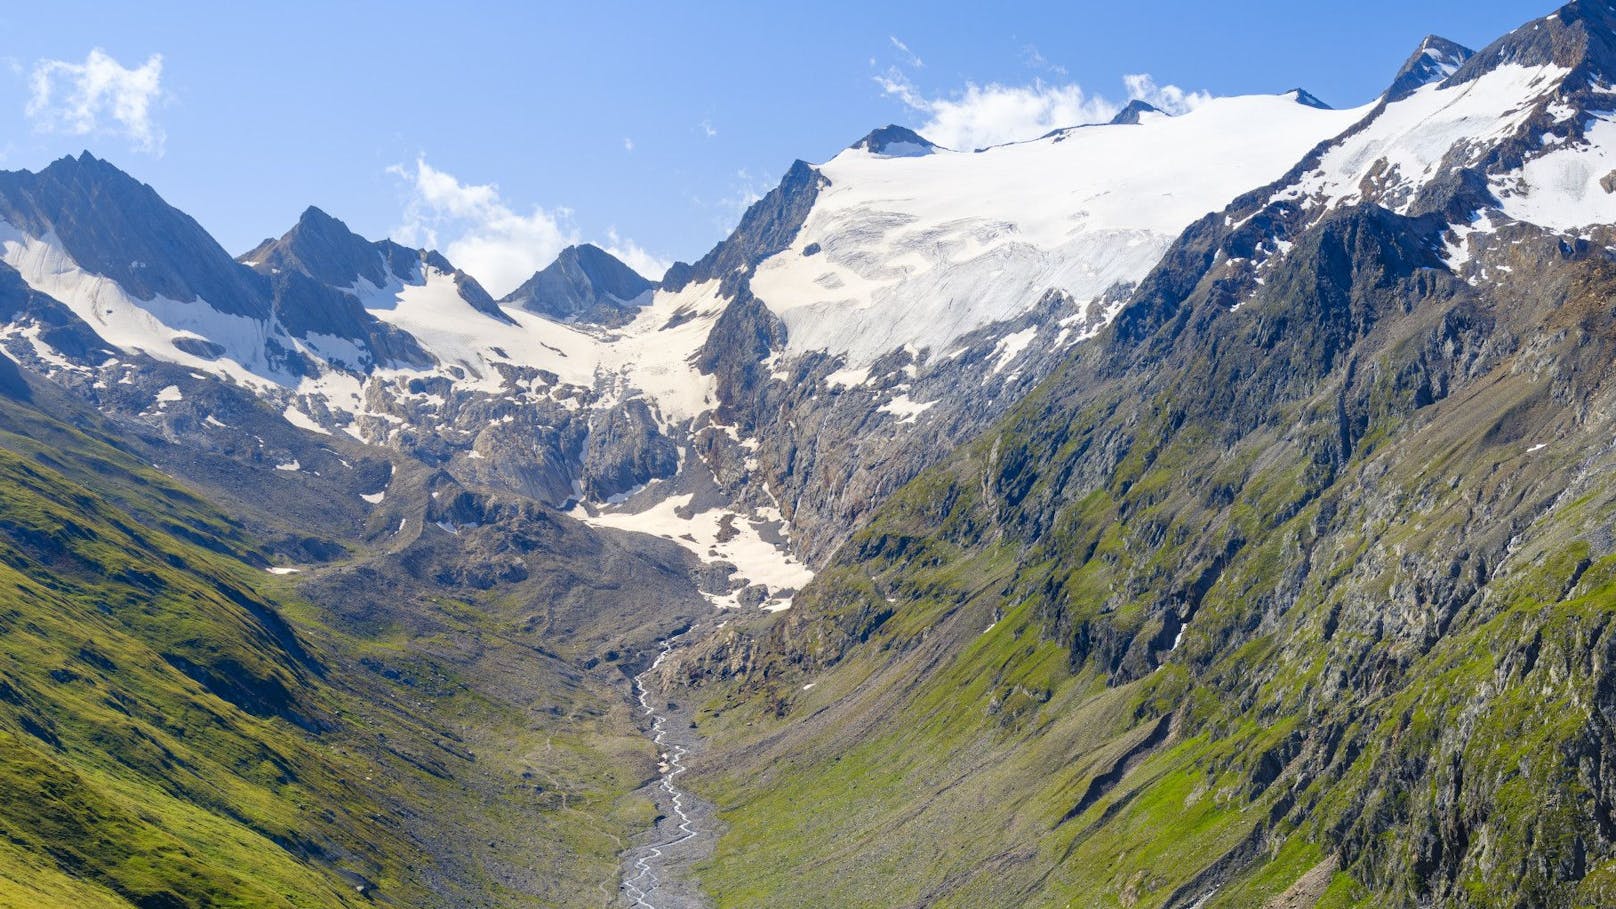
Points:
[(1207, 507)]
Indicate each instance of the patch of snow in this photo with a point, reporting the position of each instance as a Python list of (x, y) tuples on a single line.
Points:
[(1560, 189), (375, 498), (849, 377), (1407, 144), (170, 394), (755, 559), (905, 410), (303, 421), (151, 325), (1010, 346), (284, 570), (291, 466)]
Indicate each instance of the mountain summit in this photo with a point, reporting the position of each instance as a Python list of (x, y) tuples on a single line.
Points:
[(895, 141), (1434, 60), (584, 284), (1130, 114)]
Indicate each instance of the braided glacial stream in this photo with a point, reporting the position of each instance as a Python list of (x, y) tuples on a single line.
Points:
[(656, 875)]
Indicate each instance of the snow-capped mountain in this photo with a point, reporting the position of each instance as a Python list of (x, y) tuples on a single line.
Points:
[(920, 250), (1474, 154), (901, 301), (865, 316), (584, 284)]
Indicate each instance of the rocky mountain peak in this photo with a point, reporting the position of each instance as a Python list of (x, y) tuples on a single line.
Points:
[(1130, 114), (1306, 98), (112, 225), (1434, 60), (1580, 36), (584, 284), (895, 141), (323, 248), (767, 227)]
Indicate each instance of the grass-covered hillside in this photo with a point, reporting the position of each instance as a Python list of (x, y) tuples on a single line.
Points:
[(181, 728), (1308, 604)]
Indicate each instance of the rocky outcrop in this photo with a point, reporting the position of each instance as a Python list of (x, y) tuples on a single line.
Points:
[(624, 451), (1434, 60), (767, 227), (117, 227), (584, 284)]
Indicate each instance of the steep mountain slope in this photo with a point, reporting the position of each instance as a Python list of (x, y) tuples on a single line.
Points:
[(1296, 582), (584, 284), (957, 281), (889, 303), (182, 727), (1171, 633)]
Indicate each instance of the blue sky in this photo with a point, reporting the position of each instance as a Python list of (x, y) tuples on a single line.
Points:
[(499, 131)]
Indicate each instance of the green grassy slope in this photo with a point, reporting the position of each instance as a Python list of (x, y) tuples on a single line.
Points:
[(180, 728), (1309, 605)]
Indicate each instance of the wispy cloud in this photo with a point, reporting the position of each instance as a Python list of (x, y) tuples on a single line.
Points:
[(98, 96), (992, 114), (1170, 98), (1031, 56), (707, 129), (474, 226), (909, 56), (628, 144)]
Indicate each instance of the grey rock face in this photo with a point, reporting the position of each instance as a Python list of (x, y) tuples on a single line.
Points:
[(118, 227), (12, 384), (584, 284), (899, 141), (740, 341), (1130, 114), (323, 248), (1434, 60), (766, 228), (625, 450)]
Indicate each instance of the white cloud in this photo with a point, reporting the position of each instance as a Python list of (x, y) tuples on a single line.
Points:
[(475, 228), (1169, 98), (628, 144), (992, 114), (707, 129), (480, 232), (634, 256), (81, 98)]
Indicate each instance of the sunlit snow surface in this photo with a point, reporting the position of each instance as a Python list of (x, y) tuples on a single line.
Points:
[(1561, 189), (921, 250), (131, 324), (1409, 142), (715, 535)]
